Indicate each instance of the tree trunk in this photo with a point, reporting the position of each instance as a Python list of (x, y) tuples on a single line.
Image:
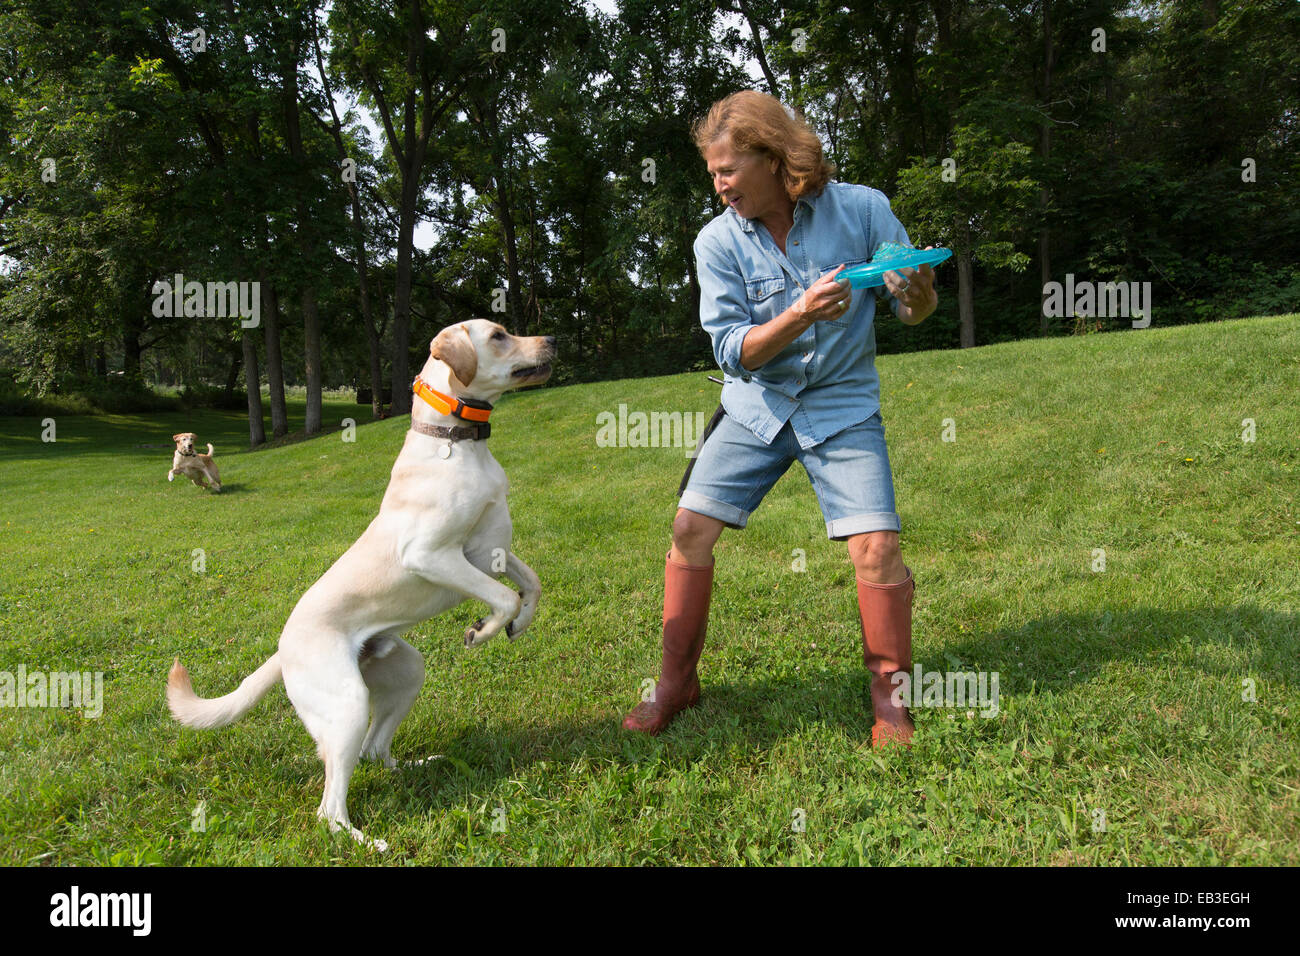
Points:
[(376, 367), (966, 298), (367, 310), (1045, 151), (232, 376), (131, 348), (402, 298), (514, 291), (694, 281), (306, 244), (271, 299), (949, 86), (408, 152), (256, 430), (489, 128), (274, 362), (311, 359), (773, 86), (358, 241)]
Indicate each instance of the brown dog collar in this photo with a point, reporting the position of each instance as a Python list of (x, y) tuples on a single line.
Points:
[(474, 433)]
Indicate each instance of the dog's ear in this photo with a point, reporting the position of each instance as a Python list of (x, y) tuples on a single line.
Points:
[(454, 347), (177, 437)]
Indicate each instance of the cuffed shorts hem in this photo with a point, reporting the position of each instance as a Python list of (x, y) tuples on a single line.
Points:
[(729, 515), (841, 528)]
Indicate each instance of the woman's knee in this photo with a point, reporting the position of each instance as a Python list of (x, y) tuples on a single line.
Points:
[(874, 549), (694, 532)]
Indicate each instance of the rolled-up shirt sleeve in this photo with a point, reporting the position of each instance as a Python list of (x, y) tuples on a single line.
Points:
[(724, 307), (885, 227)]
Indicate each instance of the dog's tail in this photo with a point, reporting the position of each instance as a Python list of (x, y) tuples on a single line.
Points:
[(209, 449), (195, 711)]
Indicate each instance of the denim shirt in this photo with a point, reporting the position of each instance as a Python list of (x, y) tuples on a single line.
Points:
[(825, 380)]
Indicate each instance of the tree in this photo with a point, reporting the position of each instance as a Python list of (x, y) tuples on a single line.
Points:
[(980, 209), (410, 64)]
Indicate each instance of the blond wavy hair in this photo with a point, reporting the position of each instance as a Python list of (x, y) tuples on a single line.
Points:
[(757, 122)]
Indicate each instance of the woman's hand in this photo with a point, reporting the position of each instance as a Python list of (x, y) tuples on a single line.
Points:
[(824, 299), (914, 290)]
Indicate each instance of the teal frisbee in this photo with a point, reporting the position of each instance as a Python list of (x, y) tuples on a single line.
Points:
[(890, 257)]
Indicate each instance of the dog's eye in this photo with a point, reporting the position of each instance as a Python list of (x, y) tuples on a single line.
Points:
[(498, 334)]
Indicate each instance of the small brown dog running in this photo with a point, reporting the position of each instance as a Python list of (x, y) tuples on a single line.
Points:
[(197, 467)]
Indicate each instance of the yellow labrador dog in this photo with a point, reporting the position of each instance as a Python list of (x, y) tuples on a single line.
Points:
[(196, 466), (442, 531)]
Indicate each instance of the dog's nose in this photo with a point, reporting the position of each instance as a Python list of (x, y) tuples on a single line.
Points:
[(550, 341)]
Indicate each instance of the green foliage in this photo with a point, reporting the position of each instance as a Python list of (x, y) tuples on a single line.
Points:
[(209, 396), (1249, 289), (91, 395), (985, 207)]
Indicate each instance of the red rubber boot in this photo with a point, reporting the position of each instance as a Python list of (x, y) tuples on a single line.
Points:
[(886, 611), (687, 589)]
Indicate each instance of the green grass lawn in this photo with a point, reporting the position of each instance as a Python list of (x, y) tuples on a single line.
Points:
[(1121, 690)]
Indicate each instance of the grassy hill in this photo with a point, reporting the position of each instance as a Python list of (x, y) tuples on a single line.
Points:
[(1163, 692)]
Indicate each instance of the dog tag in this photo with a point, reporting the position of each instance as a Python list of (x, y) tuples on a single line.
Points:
[(445, 451)]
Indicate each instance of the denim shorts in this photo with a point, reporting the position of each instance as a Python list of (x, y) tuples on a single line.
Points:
[(734, 470)]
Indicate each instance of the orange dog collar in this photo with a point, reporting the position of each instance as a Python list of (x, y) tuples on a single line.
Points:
[(470, 411)]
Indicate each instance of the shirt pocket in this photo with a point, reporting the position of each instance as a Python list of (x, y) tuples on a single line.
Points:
[(766, 297)]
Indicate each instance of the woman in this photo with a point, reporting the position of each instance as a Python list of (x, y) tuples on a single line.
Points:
[(798, 351)]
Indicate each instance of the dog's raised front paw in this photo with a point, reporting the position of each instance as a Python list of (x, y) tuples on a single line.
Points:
[(515, 629), (527, 608), (474, 636)]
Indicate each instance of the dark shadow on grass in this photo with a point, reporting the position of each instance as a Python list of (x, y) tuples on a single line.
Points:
[(1065, 650), (754, 717), (1055, 653)]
